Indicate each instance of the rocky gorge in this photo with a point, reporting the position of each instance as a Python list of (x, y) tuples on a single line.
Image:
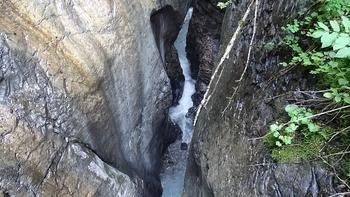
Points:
[(87, 90)]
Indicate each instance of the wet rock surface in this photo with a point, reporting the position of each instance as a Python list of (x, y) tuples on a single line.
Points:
[(173, 169), (166, 23), (227, 155), (203, 43), (83, 94)]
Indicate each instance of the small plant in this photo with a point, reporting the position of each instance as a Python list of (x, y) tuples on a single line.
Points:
[(224, 4), (300, 119), (338, 97)]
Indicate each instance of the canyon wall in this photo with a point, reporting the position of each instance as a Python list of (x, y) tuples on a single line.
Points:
[(203, 43), (227, 154), (83, 95)]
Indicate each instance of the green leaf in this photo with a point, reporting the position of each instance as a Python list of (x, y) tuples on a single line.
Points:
[(294, 119), (318, 34), (346, 23), (334, 90), (276, 134), (328, 95), (291, 128), (323, 26), (291, 108), (287, 140), (333, 64), (337, 99), (335, 26), (278, 143), (328, 39), (343, 81), (313, 128), (341, 42), (307, 114), (274, 127), (343, 53), (347, 100), (284, 64)]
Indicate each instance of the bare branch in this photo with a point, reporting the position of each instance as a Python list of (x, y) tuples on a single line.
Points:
[(212, 84)]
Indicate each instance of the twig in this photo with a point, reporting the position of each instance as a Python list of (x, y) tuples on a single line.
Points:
[(248, 57), (229, 47), (319, 114), (334, 135), (339, 153), (334, 171), (334, 117), (339, 132), (343, 153), (251, 41), (230, 100), (319, 91), (258, 138), (277, 75), (340, 194), (326, 112)]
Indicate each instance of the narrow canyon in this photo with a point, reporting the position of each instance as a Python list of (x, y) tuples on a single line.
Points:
[(152, 98)]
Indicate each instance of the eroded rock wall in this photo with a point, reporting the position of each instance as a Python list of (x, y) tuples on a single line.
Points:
[(227, 154), (83, 93), (203, 43)]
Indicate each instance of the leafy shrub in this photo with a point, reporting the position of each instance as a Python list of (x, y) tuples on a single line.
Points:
[(320, 42), (300, 119), (331, 60)]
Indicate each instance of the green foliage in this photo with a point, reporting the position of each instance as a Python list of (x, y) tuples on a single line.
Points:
[(337, 97), (333, 8), (320, 42), (224, 4), (300, 120), (330, 59)]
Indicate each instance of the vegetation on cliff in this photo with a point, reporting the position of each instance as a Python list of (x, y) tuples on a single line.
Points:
[(224, 4), (318, 128)]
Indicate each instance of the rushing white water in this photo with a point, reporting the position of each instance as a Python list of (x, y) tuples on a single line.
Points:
[(174, 166), (178, 113)]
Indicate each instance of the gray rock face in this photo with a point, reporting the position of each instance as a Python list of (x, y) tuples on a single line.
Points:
[(227, 155), (203, 43), (83, 92), (204, 39), (35, 163)]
